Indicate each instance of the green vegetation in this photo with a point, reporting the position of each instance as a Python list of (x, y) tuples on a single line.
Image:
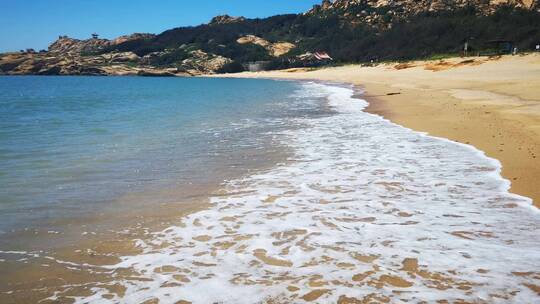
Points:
[(233, 67), (170, 57), (426, 35)]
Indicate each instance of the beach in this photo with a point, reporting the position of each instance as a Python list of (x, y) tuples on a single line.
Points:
[(358, 196), (490, 103), (362, 211), (228, 152)]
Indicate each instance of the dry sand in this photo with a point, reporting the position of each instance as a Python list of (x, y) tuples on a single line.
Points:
[(491, 103)]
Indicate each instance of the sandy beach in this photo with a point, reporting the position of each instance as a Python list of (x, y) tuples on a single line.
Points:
[(490, 103), (350, 208), (321, 151), (362, 211)]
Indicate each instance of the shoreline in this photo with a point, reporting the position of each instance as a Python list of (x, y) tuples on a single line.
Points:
[(384, 206), (518, 164), (78, 250), (212, 237), (490, 103)]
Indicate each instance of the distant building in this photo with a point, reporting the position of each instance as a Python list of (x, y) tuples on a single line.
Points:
[(323, 56), (95, 36), (314, 59)]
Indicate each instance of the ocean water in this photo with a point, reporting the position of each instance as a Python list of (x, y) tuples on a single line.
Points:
[(71, 146), (360, 209)]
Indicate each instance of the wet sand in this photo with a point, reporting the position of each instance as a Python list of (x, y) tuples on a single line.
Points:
[(491, 103), (73, 260)]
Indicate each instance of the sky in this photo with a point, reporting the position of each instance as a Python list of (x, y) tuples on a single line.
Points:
[(37, 23)]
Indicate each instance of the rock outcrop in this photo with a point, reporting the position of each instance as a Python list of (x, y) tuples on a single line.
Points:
[(135, 36), (69, 56), (66, 45), (274, 49), (226, 19), (201, 62), (120, 57)]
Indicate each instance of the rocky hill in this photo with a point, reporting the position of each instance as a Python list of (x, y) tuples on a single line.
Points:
[(411, 7), (348, 30), (94, 56), (387, 12), (65, 44)]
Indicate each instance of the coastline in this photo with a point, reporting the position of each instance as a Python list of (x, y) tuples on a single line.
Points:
[(490, 103), (438, 251), (75, 250), (318, 211)]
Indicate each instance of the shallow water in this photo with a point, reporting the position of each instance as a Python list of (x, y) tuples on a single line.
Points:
[(70, 146), (362, 210), (88, 163)]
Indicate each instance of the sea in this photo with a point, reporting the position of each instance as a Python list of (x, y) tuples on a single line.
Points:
[(210, 190)]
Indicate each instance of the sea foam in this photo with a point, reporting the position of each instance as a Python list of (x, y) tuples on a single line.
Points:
[(364, 209)]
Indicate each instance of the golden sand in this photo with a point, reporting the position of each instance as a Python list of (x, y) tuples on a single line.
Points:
[(491, 103)]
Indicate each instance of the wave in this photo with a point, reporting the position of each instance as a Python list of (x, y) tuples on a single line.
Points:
[(363, 210)]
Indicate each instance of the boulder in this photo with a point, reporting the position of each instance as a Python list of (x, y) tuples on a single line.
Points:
[(203, 63), (274, 49), (121, 57), (135, 36)]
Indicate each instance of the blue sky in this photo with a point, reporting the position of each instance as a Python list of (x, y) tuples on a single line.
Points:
[(36, 23)]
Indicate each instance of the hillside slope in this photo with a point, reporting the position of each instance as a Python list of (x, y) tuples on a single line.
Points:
[(349, 30)]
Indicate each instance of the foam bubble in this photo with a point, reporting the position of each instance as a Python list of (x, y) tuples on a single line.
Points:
[(364, 209)]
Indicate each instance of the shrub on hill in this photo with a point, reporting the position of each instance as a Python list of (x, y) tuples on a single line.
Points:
[(418, 36)]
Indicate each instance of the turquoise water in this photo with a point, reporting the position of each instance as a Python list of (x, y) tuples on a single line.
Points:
[(311, 186), (70, 146)]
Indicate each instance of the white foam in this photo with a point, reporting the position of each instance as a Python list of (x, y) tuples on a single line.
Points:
[(356, 185)]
